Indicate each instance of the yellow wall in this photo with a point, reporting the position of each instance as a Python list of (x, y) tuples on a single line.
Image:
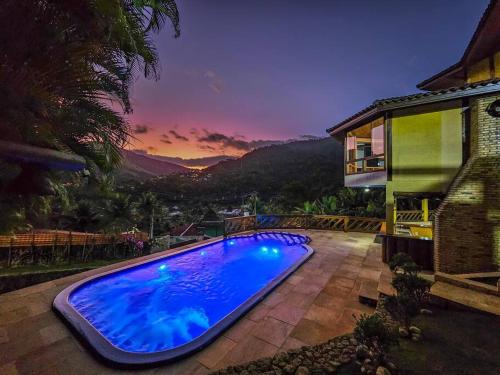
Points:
[(426, 153), (497, 64), (479, 71)]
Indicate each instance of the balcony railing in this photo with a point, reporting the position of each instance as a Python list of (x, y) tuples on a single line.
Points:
[(365, 165), (324, 222)]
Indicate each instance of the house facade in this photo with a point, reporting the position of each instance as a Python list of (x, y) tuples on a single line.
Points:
[(440, 147)]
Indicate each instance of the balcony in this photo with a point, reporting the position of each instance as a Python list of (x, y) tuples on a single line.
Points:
[(365, 155)]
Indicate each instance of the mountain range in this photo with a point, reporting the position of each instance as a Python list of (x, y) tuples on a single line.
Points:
[(273, 166), (140, 166), (286, 174)]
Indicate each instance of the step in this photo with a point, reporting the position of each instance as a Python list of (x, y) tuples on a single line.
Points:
[(385, 285), (448, 293), (368, 293)]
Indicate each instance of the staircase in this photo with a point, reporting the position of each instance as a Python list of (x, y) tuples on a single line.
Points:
[(442, 293)]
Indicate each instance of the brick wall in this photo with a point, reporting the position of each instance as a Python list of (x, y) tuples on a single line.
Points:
[(467, 226)]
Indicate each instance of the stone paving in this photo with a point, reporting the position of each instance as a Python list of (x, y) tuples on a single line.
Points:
[(313, 305)]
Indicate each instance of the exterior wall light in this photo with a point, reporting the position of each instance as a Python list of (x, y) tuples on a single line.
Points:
[(494, 109)]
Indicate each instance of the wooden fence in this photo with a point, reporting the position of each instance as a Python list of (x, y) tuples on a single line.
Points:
[(55, 247), (325, 222)]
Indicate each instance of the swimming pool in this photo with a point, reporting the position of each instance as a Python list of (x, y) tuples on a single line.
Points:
[(170, 306)]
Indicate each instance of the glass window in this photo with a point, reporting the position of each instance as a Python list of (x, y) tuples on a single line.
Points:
[(365, 148)]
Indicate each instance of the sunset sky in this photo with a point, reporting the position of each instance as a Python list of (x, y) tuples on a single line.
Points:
[(244, 73)]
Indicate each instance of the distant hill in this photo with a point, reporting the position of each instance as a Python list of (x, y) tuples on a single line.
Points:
[(143, 166), (196, 162), (287, 174), (301, 152), (302, 169)]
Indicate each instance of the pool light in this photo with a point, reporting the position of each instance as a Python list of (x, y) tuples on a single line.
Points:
[(264, 249), (275, 251), (162, 267), (231, 242)]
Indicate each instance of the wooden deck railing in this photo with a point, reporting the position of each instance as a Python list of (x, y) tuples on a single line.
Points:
[(53, 247), (325, 222), (413, 215)]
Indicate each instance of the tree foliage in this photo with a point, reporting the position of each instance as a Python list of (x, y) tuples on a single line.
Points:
[(67, 67)]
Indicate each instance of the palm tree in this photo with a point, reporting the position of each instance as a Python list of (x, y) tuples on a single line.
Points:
[(120, 212), (67, 67), (146, 206), (347, 199), (307, 208), (254, 203), (83, 217), (327, 205)]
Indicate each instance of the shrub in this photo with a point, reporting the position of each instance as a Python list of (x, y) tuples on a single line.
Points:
[(402, 262), (412, 290), (412, 286), (402, 307), (371, 331)]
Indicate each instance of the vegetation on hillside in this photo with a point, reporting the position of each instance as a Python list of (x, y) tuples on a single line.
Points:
[(66, 86), (67, 69)]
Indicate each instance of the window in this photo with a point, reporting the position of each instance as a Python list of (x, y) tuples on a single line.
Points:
[(365, 148)]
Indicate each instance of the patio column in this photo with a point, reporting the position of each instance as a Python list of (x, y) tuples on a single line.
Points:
[(425, 209)]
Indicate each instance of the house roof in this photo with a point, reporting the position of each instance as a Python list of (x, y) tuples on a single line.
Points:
[(378, 107), (485, 38), (186, 230)]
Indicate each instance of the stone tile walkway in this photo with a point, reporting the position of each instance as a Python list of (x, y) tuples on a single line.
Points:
[(313, 305)]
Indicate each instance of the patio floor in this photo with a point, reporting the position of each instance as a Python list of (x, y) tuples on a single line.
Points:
[(313, 305)]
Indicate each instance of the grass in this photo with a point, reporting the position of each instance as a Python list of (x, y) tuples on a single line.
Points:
[(455, 342), (59, 267)]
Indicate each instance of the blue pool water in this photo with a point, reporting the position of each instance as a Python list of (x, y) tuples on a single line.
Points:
[(169, 302)]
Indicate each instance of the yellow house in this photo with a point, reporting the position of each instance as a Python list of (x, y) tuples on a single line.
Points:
[(419, 146)]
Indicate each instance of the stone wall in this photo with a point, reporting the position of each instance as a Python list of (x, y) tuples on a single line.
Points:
[(467, 226)]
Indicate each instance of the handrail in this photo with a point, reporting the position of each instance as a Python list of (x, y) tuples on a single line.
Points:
[(413, 215), (371, 157), (303, 221)]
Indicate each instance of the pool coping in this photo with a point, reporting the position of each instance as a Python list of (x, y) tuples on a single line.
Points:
[(116, 356)]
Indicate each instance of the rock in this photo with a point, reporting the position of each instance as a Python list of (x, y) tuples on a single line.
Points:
[(353, 342), (415, 330), (416, 337), (335, 363), (302, 370), (403, 332), (382, 371), (362, 352), (425, 312), (289, 369), (344, 359), (391, 367)]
